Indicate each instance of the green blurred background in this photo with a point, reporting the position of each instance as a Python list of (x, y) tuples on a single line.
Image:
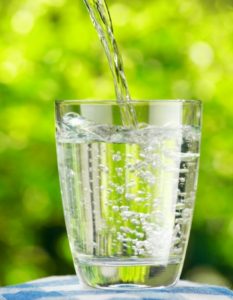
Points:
[(49, 50)]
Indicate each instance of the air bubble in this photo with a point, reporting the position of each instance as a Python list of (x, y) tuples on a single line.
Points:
[(136, 222), (104, 168), (177, 229), (147, 176), (120, 190), (127, 214), (140, 235), (124, 208), (141, 251), (71, 173), (130, 184), (130, 196), (119, 171), (154, 164), (180, 205), (142, 155), (115, 208), (125, 229), (119, 237), (186, 213), (116, 156), (141, 192), (178, 250), (130, 167)]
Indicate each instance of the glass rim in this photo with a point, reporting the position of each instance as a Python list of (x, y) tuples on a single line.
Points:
[(115, 102)]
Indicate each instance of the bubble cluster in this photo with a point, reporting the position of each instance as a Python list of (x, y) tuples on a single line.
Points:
[(137, 189)]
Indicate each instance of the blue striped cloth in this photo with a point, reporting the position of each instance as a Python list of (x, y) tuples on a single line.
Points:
[(69, 287)]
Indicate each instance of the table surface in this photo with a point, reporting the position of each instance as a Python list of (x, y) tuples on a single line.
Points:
[(69, 287)]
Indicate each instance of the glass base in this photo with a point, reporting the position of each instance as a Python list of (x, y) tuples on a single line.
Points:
[(129, 277)]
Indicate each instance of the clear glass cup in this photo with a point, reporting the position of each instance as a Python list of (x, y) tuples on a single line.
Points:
[(128, 193)]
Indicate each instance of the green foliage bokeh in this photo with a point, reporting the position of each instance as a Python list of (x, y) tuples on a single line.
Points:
[(49, 50)]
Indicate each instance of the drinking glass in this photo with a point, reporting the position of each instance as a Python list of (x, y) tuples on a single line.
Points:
[(128, 192)]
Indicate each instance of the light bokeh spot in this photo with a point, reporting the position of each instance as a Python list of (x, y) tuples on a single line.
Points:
[(201, 54), (22, 22)]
